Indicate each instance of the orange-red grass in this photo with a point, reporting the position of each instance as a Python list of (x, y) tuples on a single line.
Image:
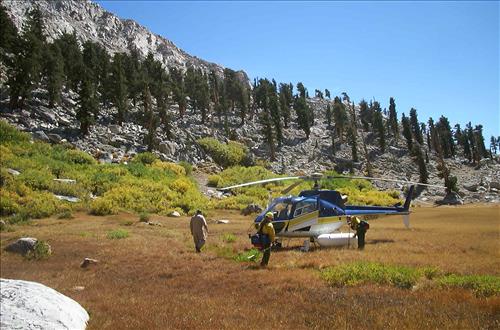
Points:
[(154, 280)]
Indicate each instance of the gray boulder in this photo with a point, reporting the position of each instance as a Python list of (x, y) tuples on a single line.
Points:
[(40, 135), (22, 245), (31, 305), (54, 138), (451, 199)]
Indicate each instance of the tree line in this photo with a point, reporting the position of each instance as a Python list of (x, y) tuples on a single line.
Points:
[(124, 80)]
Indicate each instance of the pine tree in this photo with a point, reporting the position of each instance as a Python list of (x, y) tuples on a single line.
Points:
[(119, 86), (445, 137), (150, 121), (422, 169), (339, 117), (87, 104), (134, 75), (178, 90), (54, 71), (286, 102), (73, 60), (263, 90), (393, 118), (301, 90), (8, 37), (304, 115), (415, 126), (352, 134), (327, 93), (493, 145), (318, 93), (405, 122), (328, 115), (364, 115), (379, 126), (450, 182), (25, 70)]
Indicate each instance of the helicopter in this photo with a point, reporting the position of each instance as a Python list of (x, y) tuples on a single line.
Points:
[(318, 214)]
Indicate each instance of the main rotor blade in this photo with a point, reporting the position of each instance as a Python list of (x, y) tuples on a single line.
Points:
[(290, 187), (381, 179), (260, 182)]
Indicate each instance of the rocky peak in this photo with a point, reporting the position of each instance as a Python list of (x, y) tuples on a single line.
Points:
[(89, 21)]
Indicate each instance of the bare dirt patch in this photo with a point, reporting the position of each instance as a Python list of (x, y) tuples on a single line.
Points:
[(153, 279)]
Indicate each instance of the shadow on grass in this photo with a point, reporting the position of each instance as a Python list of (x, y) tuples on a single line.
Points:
[(380, 241)]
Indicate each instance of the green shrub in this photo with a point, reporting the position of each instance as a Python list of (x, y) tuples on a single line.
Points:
[(117, 234), (251, 255), (144, 217), (79, 157), (229, 238), (37, 179), (9, 202), (41, 250), (40, 205), (172, 167), (369, 272), (145, 158), (65, 214), (102, 206), (226, 155), (481, 285), (188, 168), (10, 134)]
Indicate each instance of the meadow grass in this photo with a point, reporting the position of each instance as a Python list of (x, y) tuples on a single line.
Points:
[(156, 270), (117, 234)]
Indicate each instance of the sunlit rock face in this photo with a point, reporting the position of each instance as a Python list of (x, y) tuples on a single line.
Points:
[(31, 305)]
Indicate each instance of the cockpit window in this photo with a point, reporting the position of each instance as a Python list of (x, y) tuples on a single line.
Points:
[(281, 210), (304, 207)]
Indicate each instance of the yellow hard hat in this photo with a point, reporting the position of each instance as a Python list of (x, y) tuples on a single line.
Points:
[(269, 215)]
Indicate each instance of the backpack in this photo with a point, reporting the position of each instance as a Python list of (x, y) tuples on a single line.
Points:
[(364, 225)]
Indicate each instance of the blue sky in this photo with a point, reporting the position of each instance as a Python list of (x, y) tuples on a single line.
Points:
[(441, 58)]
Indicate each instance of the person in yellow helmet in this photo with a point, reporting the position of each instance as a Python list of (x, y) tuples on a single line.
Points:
[(266, 230), (360, 226)]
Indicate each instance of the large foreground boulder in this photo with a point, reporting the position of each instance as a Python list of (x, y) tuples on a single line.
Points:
[(31, 305)]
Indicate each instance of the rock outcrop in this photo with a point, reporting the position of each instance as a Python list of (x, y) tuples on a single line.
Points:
[(31, 305)]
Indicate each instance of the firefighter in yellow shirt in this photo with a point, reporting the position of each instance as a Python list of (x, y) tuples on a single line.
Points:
[(266, 230)]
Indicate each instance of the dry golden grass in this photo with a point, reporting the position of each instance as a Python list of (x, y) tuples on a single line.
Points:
[(154, 280)]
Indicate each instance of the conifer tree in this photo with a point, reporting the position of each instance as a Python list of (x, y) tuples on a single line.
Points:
[(134, 75), (304, 115), (378, 124), (493, 145), (450, 182), (393, 118), (54, 72), (422, 169), (73, 60), (327, 93), (352, 134), (119, 86), (150, 121), (87, 104), (405, 122), (445, 137), (339, 117), (415, 126), (364, 114), (8, 37), (328, 115), (318, 93), (301, 90), (178, 90), (26, 67), (263, 90), (286, 102)]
